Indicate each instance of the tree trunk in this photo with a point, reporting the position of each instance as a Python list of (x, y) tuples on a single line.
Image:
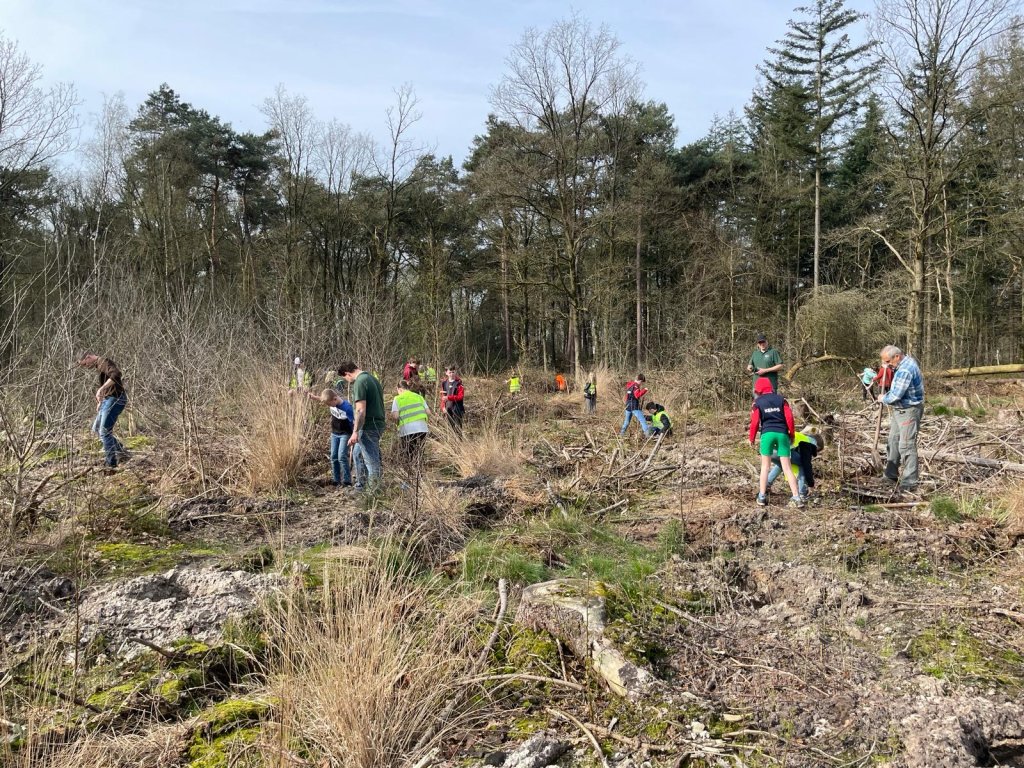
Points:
[(639, 300)]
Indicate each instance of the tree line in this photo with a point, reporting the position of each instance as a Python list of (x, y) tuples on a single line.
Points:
[(868, 192)]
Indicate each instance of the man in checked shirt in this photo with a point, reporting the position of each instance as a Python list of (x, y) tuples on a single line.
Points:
[(906, 396)]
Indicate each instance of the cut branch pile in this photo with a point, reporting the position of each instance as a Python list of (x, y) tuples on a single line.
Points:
[(953, 451)]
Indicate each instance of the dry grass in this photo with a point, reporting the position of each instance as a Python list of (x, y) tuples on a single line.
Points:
[(160, 747), (276, 440), (366, 675), (488, 449)]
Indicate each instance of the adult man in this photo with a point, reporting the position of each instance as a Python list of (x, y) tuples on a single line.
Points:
[(111, 399), (453, 398), (906, 396), (367, 398), (765, 362)]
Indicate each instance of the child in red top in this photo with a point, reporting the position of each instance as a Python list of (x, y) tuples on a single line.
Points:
[(772, 415), (635, 391)]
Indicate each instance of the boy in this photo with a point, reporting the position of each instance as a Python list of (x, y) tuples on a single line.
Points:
[(635, 391), (660, 422), (342, 418), (453, 396), (804, 449), (772, 415)]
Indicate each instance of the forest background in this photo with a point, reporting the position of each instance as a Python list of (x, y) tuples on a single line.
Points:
[(869, 192)]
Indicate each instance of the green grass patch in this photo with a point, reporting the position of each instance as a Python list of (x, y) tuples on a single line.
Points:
[(555, 546), (142, 558), (952, 510), (952, 652)]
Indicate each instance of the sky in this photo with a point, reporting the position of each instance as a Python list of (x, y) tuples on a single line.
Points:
[(347, 57)]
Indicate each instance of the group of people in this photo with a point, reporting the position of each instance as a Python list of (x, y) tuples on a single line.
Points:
[(785, 450), (652, 418), (358, 422)]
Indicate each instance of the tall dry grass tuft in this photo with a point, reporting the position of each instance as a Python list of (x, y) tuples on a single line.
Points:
[(368, 675), (486, 449), (275, 440)]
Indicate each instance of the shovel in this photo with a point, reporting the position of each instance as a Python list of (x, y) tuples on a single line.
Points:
[(875, 461)]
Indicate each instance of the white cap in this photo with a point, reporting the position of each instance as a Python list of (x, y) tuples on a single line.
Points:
[(298, 361)]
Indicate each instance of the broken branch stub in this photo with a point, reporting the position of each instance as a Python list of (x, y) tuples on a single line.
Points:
[(574, 611)]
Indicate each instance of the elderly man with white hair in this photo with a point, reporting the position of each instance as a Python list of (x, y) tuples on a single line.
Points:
[(906, 396)]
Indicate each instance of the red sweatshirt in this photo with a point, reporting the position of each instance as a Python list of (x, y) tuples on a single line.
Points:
[(771, 413)]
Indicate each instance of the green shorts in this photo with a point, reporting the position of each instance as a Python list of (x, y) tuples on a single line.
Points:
[(775, 442)]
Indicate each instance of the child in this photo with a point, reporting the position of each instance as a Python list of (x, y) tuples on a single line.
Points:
[(410, 410), (590, 392), (804, 449), (773, 416), (661, 424), (867, 378), (342, 418), (453, 398), (635, 391)]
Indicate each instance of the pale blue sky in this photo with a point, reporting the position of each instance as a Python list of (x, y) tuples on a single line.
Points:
[(347, 57)]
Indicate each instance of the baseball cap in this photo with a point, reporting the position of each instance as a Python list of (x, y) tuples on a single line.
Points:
[(760, 337)]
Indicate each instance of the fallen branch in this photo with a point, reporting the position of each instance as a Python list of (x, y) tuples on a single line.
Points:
[(610, 507), (586, 732), (977, 461), (521, 676), (980, 370), (502, 607), (57, 694), (788, 376), (171, 655)]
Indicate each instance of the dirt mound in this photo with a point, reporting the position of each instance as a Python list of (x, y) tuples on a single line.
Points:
[(183, 602)]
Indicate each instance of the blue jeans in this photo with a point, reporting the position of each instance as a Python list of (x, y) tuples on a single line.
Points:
[(639, 416), (103, 425), (776, 470), (339, 459), (358, 465), (369, 441)]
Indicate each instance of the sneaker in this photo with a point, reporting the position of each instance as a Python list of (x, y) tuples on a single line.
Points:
[(762, 500), (803, 498), (796, 502)]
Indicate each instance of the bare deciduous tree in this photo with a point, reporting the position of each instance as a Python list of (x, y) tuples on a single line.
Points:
[(561, 83), (930, 50)]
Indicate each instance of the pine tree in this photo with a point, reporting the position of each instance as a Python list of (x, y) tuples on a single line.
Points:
[(817, 51)]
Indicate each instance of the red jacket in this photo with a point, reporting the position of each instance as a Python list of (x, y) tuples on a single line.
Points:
[(409, 372), (883, 377), (639, 390), (452, 392)]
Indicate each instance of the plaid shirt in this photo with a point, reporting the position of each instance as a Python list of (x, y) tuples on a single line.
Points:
[(907, 385)]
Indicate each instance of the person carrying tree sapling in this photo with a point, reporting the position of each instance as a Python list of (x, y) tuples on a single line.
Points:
[(342, 419), (635, 391), (765, 362), (772, 415), (111, 399), (590, 392), (661, 424)]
